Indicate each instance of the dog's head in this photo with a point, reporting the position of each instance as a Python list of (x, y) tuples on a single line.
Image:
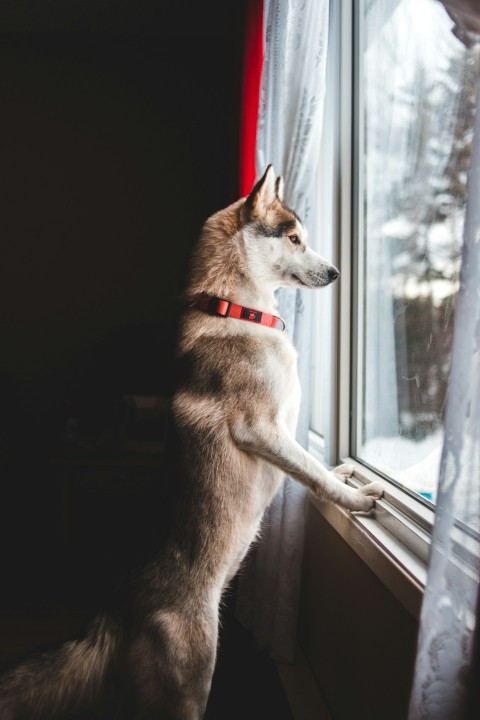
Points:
[(276, 240)]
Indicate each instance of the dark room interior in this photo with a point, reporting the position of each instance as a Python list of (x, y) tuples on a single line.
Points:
[(119, 137)]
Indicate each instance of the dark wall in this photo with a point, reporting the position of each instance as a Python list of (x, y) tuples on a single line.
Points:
[(118, 133), (358, 639)]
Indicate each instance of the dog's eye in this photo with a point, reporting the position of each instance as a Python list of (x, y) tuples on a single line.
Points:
[(294, 239)]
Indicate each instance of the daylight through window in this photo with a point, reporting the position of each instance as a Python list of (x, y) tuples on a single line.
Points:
[(416, 98)]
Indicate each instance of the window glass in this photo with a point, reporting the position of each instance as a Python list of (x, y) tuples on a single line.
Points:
[(416, 94)]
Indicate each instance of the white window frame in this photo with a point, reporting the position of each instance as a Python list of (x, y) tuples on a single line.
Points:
[(394, 539)]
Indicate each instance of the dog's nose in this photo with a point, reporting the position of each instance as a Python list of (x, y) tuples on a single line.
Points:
[(333, 273)]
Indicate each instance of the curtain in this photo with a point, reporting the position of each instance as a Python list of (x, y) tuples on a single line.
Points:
[(288, 135), (444, 653), (252, 74)]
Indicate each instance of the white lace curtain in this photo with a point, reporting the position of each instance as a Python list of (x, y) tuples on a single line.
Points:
[(444, 653), (288, 135)]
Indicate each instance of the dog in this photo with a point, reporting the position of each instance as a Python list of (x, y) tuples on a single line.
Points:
[(234, 412)]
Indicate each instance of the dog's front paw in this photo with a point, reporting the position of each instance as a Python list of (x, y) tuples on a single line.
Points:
[(373, 490), (343, 472), (366, 497)]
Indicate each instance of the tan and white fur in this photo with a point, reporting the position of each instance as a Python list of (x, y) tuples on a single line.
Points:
[(235, 412)]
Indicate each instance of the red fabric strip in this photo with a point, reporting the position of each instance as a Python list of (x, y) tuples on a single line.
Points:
[(252, 73), (224, 308)]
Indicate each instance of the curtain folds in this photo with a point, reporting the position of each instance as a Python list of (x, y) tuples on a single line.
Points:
[(288, 135), (444, 653)]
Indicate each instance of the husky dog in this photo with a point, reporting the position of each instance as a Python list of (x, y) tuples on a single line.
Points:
[(235, 412)]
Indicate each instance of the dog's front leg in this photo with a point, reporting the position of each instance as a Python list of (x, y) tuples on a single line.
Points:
[(275, 444)]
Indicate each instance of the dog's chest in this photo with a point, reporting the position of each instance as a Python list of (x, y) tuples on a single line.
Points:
[(282, 364)]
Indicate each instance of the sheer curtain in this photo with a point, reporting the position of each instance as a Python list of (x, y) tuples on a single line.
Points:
[(288, 135), (444, 652)]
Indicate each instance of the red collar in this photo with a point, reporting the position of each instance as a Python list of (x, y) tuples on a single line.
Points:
[(224, 308)]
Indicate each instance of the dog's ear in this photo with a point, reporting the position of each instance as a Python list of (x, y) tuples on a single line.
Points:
[(262, 195), (279, 188)]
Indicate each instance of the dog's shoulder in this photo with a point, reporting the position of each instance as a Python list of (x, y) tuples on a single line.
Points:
[(229, 366)]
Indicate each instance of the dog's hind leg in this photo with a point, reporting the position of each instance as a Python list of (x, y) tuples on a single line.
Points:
[(172, 663)]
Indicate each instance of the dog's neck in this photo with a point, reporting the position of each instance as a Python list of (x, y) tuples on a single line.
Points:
[(244, 289), (250, 295), (221, 268)]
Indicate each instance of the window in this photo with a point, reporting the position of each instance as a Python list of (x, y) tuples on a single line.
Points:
[(416, 90), (392, 197), (408, 90)]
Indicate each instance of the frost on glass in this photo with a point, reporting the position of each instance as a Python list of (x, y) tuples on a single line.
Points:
[(419, 87)]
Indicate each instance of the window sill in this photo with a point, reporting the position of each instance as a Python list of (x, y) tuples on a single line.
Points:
[(393, 539)]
